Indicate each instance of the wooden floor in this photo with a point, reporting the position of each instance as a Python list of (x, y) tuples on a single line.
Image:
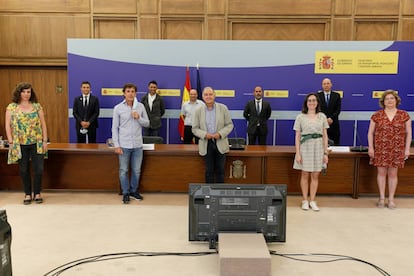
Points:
[(181, 199)]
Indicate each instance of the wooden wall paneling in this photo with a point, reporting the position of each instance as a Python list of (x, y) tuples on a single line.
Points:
[(342, 29), (407, 7), (45, 6), (407, 29), (182, 29), (115, 7), (5, 99), (366, 30), (149, 27), (182, 7), (42, 37), (216, 29), (216, 6), (278, 31), (55, 103), (148, 6), (280, 7), (377, 7), (343, 7), (121, 28)]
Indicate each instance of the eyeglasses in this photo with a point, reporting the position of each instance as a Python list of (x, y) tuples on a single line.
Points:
[(311, 100)]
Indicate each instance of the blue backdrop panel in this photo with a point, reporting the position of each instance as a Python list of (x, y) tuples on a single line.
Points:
[(238, 66)]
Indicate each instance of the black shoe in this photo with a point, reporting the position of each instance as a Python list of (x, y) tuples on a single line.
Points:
[(125, 199), (136, 196), (38, 200), (27, 201)]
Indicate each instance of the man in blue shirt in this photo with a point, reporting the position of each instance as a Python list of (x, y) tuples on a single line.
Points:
[(212, 124), (129, 118)]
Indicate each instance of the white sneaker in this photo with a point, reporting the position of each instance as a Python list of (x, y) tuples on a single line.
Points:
[(305, 205), (313, 205)]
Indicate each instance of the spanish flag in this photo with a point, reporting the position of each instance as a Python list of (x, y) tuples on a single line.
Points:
[(186, 98)]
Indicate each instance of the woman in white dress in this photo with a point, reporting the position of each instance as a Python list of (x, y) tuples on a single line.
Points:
[(311, 144)]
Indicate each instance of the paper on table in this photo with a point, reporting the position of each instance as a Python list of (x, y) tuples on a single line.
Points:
[(338, 149), (148, 146)]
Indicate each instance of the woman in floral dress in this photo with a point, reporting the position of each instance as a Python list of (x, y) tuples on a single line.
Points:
[(27, 136), (389, 139)]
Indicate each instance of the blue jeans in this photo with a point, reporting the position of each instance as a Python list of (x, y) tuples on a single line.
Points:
[(29, 152), (130, 158), (215, 162)]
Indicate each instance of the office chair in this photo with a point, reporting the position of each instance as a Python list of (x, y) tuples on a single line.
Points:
[(152, 140)]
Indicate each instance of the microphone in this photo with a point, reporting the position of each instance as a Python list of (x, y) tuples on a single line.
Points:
[(236, 143), (359, 148)]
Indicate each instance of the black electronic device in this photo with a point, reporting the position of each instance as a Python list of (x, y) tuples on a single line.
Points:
[(237, 208), (236, 143), (5, 245)]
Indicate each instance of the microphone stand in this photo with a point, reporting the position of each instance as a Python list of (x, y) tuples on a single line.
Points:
[(359, 148)]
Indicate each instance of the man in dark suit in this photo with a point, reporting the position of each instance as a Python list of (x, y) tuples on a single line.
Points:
[(330, 103), (257, 112), (154, 105), (86, 112)]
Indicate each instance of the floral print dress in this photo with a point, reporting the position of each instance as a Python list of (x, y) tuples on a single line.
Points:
[(26, 130), (389, 139)]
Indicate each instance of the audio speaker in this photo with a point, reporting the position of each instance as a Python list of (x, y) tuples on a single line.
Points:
[(5, 244)]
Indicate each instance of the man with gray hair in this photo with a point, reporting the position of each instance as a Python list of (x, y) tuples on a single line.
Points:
[(212, 124)]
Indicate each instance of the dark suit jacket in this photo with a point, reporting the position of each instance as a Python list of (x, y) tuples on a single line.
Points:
[(332, 111), (253, 118), (89, 114), (158, 110)]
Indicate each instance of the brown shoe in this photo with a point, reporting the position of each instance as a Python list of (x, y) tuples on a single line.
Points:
[(391, 205), (381, 203)]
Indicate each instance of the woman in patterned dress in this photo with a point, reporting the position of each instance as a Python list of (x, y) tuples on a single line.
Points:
[(27, 136), (389, 139), (311, 144)]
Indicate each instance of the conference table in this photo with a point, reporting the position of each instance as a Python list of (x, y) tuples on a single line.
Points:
[(171, 167)]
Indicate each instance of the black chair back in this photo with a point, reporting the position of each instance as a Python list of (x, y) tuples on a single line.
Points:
[(152, 140)]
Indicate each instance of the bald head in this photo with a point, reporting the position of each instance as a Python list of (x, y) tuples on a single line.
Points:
[(193, 95), (326, 85), (258, 92)]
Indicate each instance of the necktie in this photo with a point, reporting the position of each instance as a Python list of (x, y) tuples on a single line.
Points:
[(85, 101), (258, 107), (327, 99)]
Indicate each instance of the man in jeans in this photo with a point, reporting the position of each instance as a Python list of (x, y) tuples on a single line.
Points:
[(129, 118)]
